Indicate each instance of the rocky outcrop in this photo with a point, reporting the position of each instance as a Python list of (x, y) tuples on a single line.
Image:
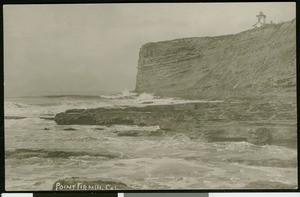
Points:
[(252, 121), (259, 63)]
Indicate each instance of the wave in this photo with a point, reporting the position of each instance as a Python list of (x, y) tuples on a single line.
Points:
[(123, 94), (15, 109), (42, 153), (57, 96), (146, 97), (274, 162), (75, 96), (50, 105), (11, 104), (150, 99)]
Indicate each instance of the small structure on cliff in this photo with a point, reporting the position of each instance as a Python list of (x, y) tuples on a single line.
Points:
[(261, 20)]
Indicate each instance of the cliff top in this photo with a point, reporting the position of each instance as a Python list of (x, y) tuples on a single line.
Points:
[(266, 27)]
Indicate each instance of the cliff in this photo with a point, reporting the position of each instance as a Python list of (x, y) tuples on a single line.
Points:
[(257, 63), (254, 72)]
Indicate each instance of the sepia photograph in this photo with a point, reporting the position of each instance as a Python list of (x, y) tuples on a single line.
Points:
[(150, 96)]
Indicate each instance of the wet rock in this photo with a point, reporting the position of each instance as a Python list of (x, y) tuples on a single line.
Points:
[(132, 133), (269, 185), (85, 119), (14, 117), (135, 133), (70, 129), (260, 136), (47, 118), (147, 102), (158, 132), (74, 118), (41, 153), (100, 129), (215, 122), (24, 153)]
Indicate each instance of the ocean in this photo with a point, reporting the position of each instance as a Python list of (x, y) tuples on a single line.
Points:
[(38, 152)]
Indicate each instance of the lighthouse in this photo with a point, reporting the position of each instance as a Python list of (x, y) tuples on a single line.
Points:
[(261, 20)]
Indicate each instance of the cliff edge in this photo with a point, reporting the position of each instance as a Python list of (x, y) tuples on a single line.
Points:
[(258, 63)]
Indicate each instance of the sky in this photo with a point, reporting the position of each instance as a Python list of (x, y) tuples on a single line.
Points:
[(75, 48)]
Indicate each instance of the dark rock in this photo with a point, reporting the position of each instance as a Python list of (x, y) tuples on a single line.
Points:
[(260, 136), (41, 153), (84, 119), (147, 102), (47, 118), (269, 185), (135, 133), (158, 132), (99, 129), (70, 129), (132, 133), (14, 117)]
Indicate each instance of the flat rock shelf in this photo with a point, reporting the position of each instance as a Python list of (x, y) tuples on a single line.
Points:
[(252, 121)]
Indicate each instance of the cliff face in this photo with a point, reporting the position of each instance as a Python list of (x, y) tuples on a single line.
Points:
[(257, 63)]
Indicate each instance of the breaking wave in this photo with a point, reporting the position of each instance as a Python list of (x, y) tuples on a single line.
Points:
[(75, 96), (123, 94), (50, 105)]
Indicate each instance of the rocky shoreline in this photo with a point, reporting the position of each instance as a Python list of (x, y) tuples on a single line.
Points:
[(255, 121), (253, 71)]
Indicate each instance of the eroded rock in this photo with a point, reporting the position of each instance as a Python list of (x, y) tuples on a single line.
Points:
[(215, 122)]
